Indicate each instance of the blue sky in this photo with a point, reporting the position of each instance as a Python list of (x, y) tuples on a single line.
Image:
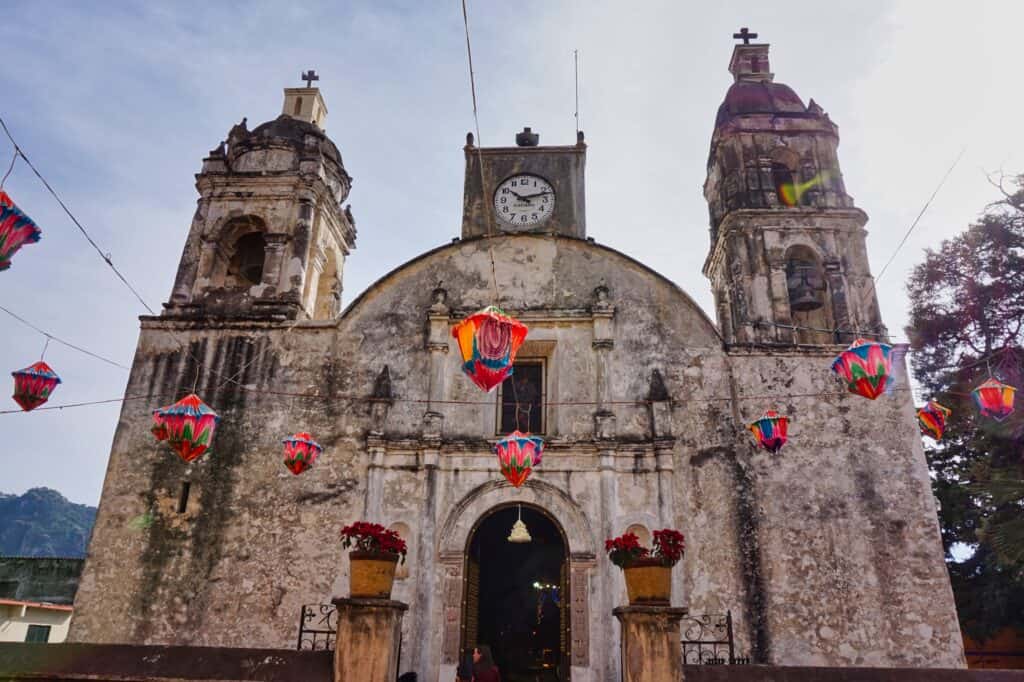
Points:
[(117, 103)]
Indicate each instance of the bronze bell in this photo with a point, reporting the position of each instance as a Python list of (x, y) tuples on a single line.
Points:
[(806, 286)]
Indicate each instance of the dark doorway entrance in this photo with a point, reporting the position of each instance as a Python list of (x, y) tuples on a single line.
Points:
[(515, 595)]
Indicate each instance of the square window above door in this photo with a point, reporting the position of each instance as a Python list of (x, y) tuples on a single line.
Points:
[(523, 399)]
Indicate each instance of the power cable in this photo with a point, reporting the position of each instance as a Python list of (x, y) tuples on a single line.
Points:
[(59, 340), (105, 256)]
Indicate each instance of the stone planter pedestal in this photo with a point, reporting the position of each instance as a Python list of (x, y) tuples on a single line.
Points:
[(651, 649), (369, 634)]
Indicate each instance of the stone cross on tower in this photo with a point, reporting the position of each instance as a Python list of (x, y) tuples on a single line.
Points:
[(310, 76), (745, 35)]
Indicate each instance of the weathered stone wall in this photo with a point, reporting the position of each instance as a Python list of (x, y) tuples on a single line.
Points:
[(827, 553)]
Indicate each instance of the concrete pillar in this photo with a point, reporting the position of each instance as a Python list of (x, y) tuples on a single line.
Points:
[(651, 648), (369, 635)]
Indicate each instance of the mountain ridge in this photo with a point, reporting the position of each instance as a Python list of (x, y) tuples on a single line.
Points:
[(43, 523)]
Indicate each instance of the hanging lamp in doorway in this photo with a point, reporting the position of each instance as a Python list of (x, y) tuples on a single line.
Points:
[(519, 533)]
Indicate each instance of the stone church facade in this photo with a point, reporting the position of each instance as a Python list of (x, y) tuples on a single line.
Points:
[(826, 554)]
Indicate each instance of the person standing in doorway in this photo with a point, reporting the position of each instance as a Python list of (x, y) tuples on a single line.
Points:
[(484, 669)]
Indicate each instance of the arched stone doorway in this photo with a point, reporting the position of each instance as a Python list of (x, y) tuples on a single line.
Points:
[(514, 594), (454, 540)]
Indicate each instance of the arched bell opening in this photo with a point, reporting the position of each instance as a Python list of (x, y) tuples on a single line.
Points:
[(810, 302), (246, 266), (515, 596), (239, 254)]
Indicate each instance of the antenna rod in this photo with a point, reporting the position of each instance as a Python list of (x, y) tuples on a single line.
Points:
[(576, 65)]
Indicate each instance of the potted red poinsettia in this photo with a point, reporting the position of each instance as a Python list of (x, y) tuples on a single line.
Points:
[(648, 573), (375, 553)]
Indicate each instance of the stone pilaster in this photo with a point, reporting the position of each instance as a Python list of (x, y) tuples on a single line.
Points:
[(369, 635), (650, 643)]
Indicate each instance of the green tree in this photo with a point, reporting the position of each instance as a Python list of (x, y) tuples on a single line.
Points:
[(966, 324)]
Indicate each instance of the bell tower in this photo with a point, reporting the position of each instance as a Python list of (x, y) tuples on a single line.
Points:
[(270, 236), (788, 261)]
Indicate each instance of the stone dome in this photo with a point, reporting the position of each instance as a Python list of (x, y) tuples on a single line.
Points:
[(759, 97), (294, 131)]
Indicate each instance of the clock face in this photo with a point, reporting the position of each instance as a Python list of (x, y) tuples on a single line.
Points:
[(524, 200)]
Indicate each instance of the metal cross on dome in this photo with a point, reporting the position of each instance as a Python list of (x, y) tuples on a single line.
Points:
[(745, 35), (310, 76)]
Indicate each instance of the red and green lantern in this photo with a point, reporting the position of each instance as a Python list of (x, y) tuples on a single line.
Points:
[(16, 230), (518, 453), (188, 426), (489, 340), (865, 367), (994, 399), (932, 419), (34, 385), (300, 452), (770, 431)]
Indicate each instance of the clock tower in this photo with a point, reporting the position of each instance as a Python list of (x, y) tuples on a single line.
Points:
[(525, 188)]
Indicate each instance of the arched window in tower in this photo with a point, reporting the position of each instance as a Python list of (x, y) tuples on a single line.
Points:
[(809, 302), (298, 107), (246, 266)]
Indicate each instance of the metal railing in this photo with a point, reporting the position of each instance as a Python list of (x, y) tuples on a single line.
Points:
[(708, 640)]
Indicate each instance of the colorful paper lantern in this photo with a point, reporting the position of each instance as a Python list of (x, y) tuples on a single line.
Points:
[(188, 426), (489, 340), (16, 230), (34, 384), (770, 431), (994, 399), (865, 367), (517, 454), (932, 419), (300, 452)]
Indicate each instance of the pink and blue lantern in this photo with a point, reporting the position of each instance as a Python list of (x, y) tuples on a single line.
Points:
[(994, 399), (932, 419), (489, 340), (188, 426), (16, 230), (518, 453), (865, 367), (300, 452), (34, 385), (770, 431)]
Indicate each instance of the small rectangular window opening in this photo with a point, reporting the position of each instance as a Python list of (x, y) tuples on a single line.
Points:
[(38, 633), (522, 399), (183, 498)]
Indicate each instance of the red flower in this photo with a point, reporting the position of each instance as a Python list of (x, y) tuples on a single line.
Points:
[(668, 546), (373, 537), (624, 550)]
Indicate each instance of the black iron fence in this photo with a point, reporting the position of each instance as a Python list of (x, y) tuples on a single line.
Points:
[(708, 640), (318, 627)]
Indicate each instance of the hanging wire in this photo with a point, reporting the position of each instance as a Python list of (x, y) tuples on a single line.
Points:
[(105, 256), (59, 340), (9, 168), (45, 346), (918, 218), (484, 186)]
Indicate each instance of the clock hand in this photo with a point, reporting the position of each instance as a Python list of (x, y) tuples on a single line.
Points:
[(531, 196), (518, 196)]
